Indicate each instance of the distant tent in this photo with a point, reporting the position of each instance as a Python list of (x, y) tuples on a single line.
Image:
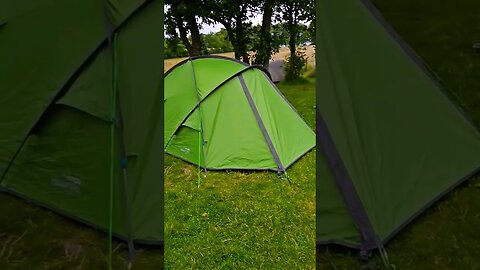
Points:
[(57, 104), (275, 68), (391, 141), (229, 115)]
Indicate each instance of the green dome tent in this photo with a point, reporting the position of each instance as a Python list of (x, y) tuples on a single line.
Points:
[(221, 113), (76, 77), (392, 142)]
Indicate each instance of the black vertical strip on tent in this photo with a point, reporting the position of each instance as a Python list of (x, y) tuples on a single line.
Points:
[(261, 125), (412, 55), (345, 185), (118, 121)]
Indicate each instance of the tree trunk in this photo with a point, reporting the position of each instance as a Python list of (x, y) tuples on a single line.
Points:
[(239, 45), (197, 44), (265, 35), (292, 29), (183, 34), (246, 58), (231, 37)]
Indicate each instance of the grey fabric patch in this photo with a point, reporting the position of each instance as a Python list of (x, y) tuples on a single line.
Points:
[(69, 184)]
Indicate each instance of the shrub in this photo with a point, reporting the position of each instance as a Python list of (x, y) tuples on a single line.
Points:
[(294, 65)]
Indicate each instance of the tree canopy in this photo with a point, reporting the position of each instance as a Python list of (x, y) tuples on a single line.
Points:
[(284, 22)]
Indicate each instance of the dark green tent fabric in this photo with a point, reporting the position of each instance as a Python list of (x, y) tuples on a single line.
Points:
[(244, 120), (392, 142), (55, 119)]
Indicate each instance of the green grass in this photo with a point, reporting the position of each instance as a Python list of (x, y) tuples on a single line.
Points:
[(243, 220), (34, 238), (447, 235)]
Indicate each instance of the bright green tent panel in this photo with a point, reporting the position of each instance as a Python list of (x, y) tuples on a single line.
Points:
[(57, 111), (187, 77), (232, 136), (230, 116), (402, 142)]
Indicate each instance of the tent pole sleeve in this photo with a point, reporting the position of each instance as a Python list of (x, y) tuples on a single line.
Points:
[(201, 139), (112, 39), (346, 187), (280, 168), (126, 199)]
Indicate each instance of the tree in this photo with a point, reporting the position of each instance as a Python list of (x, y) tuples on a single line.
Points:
[(174, 49), (311, 30), (182, 16), (265, 46), (292, 12), (233, 15), (217, 42)]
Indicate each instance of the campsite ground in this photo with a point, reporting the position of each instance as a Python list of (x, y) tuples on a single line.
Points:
[(446, 236), (243, 220)]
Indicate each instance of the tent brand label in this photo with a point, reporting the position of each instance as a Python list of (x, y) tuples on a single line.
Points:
[(68, 183), (186, 150)]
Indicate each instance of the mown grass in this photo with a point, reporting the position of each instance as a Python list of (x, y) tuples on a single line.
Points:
[(34, 238), (243, 220), (447, 235)]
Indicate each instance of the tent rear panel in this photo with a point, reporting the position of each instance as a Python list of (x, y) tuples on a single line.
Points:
[(402, 141), (290, 135), (39, 52), (37, 84)]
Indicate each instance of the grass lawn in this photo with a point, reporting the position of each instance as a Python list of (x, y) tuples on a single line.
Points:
[(34, 238), (243, 220), (447, 235)]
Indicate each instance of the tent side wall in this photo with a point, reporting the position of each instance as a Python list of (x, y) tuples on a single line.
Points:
[(38, 61), (65, 162), (394, 129)]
